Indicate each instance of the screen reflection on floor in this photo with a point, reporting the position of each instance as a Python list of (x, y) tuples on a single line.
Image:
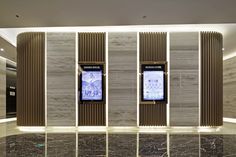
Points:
[(123, 145)]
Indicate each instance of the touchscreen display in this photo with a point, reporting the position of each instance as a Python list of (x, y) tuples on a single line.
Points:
[(153, 85), (91, 85)]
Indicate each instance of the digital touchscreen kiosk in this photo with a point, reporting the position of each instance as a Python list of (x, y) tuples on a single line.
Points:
[(91, 83), (153, 83)]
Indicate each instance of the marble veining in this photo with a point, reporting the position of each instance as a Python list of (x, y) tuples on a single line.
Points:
[(117, 144), (122, 71), (184, 83), (184, 145), (153, 145), (229, 85), (91, 145), (61, 79), (121, 145), (2, 88)]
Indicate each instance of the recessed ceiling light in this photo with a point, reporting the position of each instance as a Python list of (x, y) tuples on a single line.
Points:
[(223, 49), (2, 49), (144, 17)]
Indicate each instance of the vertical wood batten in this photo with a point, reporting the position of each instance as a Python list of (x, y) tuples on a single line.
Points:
[(212, 79), (92, 50), (152, 49), (30, 79)]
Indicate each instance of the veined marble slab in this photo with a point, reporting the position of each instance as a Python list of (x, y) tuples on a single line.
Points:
[(61, 79), (184, 145), (229, 86), (2, 88), (122, 69), (184, 79)]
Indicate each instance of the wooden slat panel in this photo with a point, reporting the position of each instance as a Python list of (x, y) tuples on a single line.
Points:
[(30, 79), (91, 50), (92, 114), (211, 79), (152, 48), (91, 47), (152, 114)]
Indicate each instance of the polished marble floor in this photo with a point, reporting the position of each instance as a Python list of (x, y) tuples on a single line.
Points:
[(15, 143), (117, 145)]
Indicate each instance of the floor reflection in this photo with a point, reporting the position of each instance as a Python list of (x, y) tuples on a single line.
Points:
[(123, 145)]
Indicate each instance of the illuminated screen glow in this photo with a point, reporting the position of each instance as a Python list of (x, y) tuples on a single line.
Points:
[(153, 85), (92, 85)]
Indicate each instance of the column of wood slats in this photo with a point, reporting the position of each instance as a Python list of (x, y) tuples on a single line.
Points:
[(91, 47), (211, 79), (91, 50), (152, 47), (30, 79)]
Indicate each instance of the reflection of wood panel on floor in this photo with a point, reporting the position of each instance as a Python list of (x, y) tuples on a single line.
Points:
[(121, 145), (122, 57), (184, 101), (61, 79), (2, 88), (229, 84)]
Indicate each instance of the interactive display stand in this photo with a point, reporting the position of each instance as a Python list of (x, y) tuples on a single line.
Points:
[(153, 83), (91, 84)]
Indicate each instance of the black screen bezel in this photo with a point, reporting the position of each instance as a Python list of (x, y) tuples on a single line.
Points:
[(161, 67), (91, 69)]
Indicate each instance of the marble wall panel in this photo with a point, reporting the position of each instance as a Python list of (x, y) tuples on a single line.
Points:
[(229, 87), (2, 88), (61, 79), (122, 69), (184, 81)]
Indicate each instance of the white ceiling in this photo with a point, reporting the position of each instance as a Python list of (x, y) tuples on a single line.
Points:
[(54, 13)]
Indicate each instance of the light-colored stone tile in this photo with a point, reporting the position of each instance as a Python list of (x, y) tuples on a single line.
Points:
[(61, 79), (184, 82), (229, 85), (122, 90), (2, 88)]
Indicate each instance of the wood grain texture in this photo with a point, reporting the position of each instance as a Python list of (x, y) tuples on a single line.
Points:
[(2, 88), (122, 58), (61, 79), (152, 48), (229, 84), (184, 82), (211, 79), (31, 79), (91, 49)]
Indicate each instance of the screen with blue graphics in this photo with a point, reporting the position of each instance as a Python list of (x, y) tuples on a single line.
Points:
[(153, 82), (91, 83)]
